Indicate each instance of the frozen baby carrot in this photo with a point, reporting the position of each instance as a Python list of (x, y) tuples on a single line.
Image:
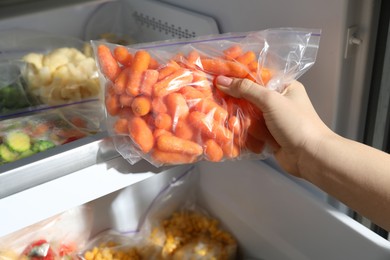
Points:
[(215, 66), (122, 55), (171, 143), (234, 125), (212, 150), (177, 106), (191, 94), (173, 82), (253, 144), (159, 132), (230, 150), (209, 106), (258, 129), (159, 106), (247, 57), (266, 76), (108, 64), (121, 126), (163, 121), (150, 78), (141, 105), (232, 52), (141, 134), (193, 59), (183, 129), (125, 100), (121, 81), (112, 105), (168, 69), (139, 65), (172, 158), (153, 64), (209, 127), (125, 112)]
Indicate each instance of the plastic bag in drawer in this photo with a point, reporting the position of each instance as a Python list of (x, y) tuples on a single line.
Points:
[(162, 104), (48, 127), (13, 96), (58, 237)]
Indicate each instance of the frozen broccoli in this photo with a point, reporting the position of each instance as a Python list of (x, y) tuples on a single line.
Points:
[(42, 145)]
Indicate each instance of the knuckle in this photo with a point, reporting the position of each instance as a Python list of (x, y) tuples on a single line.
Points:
[(245, 87)]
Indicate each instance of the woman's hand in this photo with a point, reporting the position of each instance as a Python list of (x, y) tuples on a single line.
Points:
[(289, 116)]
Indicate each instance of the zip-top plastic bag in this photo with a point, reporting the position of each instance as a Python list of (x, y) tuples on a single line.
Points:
[(162, 103), (57, 238), (174, 226)]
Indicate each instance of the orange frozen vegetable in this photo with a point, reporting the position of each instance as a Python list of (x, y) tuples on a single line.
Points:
[(141, 105), (141, 134), (108, 64), (170, 143)]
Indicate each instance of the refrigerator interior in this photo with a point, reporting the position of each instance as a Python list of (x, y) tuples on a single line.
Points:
[(273, 216)]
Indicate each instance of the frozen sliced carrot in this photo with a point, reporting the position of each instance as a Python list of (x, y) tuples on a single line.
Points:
[(232, 52), (122, 55), (125, 100), (168, 69), (209, 127), (173, 82), (141, 105), (175, 144), (172, 158), (209, 106), (150, 78), (212, 150), (177, 106), (141, 134), (163, 121), (121, 126), (247, 57), (139, 65), (183, 129), (107, 62)]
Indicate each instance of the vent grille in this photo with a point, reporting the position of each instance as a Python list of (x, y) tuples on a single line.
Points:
[(164, 27)]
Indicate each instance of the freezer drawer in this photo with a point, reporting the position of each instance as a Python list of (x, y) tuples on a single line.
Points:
[(270, 216)]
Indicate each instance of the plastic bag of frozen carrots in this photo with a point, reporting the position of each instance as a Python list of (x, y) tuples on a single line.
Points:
[(162, 104)]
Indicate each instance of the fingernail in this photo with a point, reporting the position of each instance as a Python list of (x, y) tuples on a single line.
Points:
[(224, 81)]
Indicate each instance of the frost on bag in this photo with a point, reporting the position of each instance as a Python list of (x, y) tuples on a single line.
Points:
[(162, 104), (174, 227), (58, 237)]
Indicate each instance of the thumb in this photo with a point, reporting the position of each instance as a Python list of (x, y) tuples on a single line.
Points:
[(245, 88)]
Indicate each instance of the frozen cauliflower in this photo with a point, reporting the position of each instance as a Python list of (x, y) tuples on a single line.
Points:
[(61, 76)]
